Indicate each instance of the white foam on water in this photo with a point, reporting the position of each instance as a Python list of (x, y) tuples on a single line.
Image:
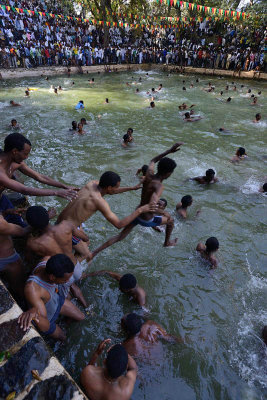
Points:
[(141, 71), (3, 105), (251, 186)]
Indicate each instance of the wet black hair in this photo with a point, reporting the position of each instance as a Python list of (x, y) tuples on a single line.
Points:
[(259, 93), (152, 104), (74, 123), (125, 137), (164, 201), (109, 178), (59, 265), (127, 282), (166, 165), (221, 93), (153, 89), (37, 217), (249, 90), (83, 119), (241, 151), (186, 200), (257, 115), (187, 115), (229, 99), (252, 95), (130, 129), (133, 323), (184, 88), (13, 120), (210, 172), (15, 141), (144, 169), (264, 187), (81, 101), (116, 361), (106, 100), (212, 244)]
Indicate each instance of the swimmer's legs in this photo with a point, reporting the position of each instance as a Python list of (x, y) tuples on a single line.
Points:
[(70, 310), (169, 222), (122, 235), (82, 251), (77, 293)]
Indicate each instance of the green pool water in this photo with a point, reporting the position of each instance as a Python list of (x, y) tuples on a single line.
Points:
[(222, 311)]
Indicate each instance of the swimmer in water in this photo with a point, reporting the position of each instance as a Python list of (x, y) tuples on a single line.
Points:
[(263, 189), (106, 101), (55, 91), (127, 285), (74, 126), (189, 118), (239, 155), (130, 133), (152, 104), (228, 100), (14, 125), (185, 106), (80, 130), (60, 88), (137, 90), (126, 140), (254, 102), (160, 87), (91, 81), (181, 207), (115, 380), (208, 250), (83, 121), (206, 179), (13, 104), (257, 118), (184, 88), (27, 93)]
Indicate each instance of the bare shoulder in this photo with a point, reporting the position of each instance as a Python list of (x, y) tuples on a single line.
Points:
[(201, 247)]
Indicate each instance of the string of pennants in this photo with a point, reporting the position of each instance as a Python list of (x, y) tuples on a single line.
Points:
[(164, 22)]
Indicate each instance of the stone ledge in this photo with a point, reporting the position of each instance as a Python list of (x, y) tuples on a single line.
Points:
[(27, 351), (50, 71)]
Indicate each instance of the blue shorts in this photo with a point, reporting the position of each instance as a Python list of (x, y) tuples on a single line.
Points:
[(5, 204), (155, 221), (8, 260), (52, 326)]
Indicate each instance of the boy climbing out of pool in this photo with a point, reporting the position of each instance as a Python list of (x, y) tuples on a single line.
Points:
[(45, 298), (115, 380), (90, 199), (209, 177), (208, 250), (151, 192), (127, 284), (48, 240)]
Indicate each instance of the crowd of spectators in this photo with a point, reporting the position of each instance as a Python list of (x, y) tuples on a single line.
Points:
[(31, 41)]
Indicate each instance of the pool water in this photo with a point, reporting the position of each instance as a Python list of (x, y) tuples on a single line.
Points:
[(220, 312)]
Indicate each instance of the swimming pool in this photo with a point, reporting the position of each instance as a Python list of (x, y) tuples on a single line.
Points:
[(222, 311)]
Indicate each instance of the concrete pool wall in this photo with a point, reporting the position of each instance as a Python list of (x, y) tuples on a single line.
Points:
[(50, 71)]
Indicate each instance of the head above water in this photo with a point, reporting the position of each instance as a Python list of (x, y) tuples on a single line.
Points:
[(116, 361), (241, 151), (130, 131), (83, 121), (258, 117), (187, 115), (229, 99), (152, 104), (264, 187), (184, 88), (127, 282), (212, 244), (18, 145), (106, 101), (144, 169), (14, 122), (210, 173), (37, 217), (74, 125), (132, 323), (126, 138), (166, 166), (186, 201), (162, 204), (59, 268), (109, 181)]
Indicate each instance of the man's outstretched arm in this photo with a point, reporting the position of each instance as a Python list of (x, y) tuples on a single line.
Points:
[(173, 149)]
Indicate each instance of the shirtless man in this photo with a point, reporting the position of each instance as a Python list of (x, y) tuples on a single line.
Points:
[(127, 284), (188, 117), (151, 192), (14, 125), (49, 240), (90, 200), (239, 155), (185, 106), (257, 118), (142, 335), (11, 267), (208, 249), (13, 104), (181, 207), (208, 178), (43, 294), (17, 149), (114, 381)]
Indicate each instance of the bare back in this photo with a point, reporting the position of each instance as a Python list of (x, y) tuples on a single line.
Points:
[(151, 185), (84, 206)]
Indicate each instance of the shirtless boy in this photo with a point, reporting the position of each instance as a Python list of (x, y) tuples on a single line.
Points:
[(43, 294), (114, 381), (49, 240), (208, 178), (208, 250), (90, 199), (151, 192), (17, 149), (127, 284), (11, 267), (239, 155), (143, 335), (181, 207)]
